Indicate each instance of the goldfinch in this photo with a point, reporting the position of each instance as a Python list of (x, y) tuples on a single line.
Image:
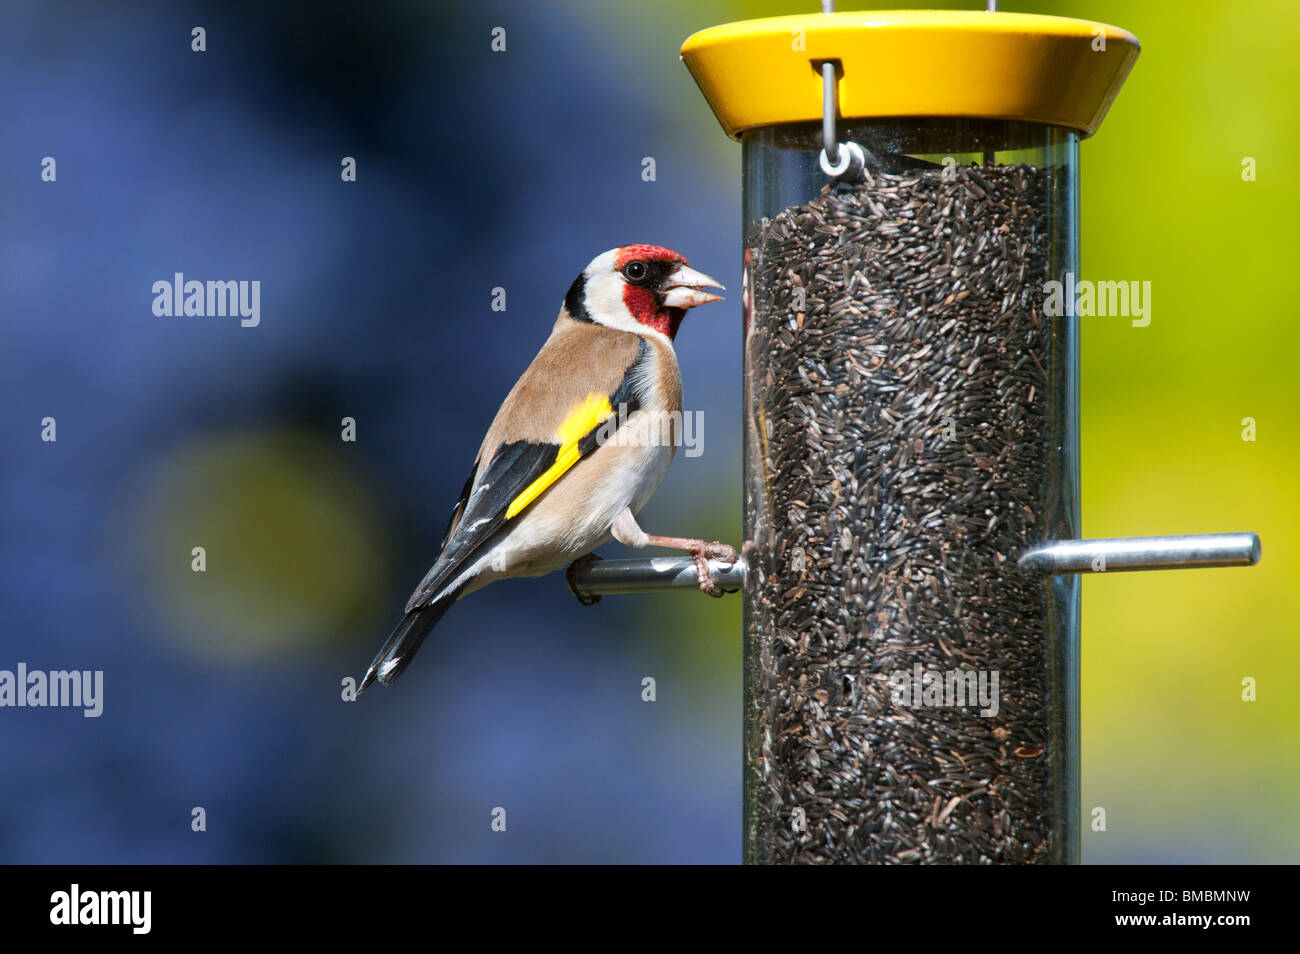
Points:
[(577, 448)]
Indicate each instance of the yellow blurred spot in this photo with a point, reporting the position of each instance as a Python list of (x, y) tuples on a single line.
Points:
[(293, 549)]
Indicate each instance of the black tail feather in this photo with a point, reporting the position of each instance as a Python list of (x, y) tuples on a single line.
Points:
[(400, 648)]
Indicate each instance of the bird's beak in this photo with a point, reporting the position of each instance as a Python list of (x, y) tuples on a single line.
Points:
[(686, 286)]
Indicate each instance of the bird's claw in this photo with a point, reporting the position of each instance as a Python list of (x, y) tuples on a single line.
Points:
[(702, 555), (720, 551), (571, 577)]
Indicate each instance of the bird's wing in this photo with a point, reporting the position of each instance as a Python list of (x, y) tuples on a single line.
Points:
[(550, 420)]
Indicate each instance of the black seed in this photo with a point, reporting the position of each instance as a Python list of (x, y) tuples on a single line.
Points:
[(897, 461)]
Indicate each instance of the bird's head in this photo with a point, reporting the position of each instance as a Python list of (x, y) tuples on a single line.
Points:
[(638, 288)]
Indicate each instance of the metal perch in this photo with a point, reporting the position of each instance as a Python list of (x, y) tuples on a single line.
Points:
[(1143, 553), (1109, 555), (656, 573)]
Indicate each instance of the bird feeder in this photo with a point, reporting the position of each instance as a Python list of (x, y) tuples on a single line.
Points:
[(911, 470)]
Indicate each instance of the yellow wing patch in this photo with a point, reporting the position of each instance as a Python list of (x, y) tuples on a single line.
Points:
[(588, 415)]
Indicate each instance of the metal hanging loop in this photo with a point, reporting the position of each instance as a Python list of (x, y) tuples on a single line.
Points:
[(830, 148), (837, 159), (851, 157)]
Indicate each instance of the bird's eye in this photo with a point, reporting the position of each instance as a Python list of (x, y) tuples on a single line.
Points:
[(636, 272)]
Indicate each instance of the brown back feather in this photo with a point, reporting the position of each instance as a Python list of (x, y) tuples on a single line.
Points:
[(578, 359)]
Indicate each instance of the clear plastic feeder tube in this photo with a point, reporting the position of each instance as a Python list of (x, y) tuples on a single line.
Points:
[(911, 427)]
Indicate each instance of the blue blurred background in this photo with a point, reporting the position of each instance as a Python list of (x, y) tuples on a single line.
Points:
[(478, 169)]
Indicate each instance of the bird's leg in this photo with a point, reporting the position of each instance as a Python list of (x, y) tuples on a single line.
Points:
[(709, 549), (571, 577), (626, 531)]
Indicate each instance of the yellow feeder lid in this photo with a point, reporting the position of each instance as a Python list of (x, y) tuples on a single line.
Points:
[(893, 63)]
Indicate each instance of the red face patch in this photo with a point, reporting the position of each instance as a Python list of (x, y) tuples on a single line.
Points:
[(644, 307), (648, 253)]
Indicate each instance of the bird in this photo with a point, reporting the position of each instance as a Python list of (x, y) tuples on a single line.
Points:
[(577, 448)]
